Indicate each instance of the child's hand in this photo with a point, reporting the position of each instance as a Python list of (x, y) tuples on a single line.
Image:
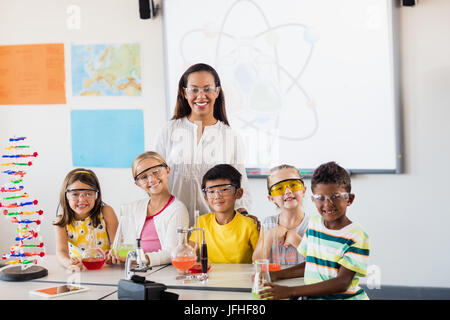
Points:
[(75, 265), (115, 259), (275, 292), (281, 235), (292, 239), (108, 256)]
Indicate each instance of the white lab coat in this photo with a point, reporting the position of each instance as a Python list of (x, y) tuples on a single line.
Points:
[(189, 161)]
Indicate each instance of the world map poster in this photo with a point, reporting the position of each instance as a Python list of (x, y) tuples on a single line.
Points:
[(106, 70)]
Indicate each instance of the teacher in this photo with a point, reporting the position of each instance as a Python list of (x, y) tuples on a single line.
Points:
[(198, 137)]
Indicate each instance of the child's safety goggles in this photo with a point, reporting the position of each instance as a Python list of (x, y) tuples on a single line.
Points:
[(279, 188)]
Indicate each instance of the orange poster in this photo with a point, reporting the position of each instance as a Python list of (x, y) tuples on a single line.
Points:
[(32, 74)]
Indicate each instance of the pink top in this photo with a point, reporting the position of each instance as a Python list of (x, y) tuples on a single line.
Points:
[(149, 237)]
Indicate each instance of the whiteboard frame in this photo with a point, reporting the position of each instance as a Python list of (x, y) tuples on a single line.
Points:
[(393, 16)]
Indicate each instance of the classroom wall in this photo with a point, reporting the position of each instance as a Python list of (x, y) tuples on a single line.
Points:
[(405, 215)]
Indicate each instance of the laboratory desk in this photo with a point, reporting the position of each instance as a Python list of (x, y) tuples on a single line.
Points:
[(225, 282), (109, 274), (221, 277), (21, 291)]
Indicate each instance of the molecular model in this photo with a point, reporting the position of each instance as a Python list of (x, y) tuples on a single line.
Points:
[(18, 206)]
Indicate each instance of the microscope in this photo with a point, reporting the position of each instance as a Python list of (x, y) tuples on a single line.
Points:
[(135, 287), (137, 256)]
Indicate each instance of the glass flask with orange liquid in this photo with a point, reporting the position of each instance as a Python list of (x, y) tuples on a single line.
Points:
[(183, 255)]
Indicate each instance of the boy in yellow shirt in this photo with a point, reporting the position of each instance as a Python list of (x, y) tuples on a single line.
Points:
[(230, 236)]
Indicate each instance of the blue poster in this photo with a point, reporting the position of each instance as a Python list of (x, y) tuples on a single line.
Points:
[(106, 138)]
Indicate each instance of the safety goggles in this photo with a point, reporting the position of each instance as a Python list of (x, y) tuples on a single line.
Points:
[(75, 194), (152, 172), (222, 190), (279, 188), (194, 91), (334, 198)]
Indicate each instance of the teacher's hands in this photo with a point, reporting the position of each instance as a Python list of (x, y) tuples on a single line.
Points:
[(255, 219)]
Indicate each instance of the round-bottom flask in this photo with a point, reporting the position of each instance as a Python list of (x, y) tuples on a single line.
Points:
[(183, 255), (93, 258)]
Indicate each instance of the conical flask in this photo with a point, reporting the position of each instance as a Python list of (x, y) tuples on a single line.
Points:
[(126, 236), (261, 277)]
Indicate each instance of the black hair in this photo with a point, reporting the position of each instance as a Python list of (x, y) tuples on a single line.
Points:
[(331, 173), (223, 171), (182, 108)]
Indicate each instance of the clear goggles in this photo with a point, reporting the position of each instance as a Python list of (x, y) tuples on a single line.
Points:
[(155, 171), (279, 188), (334, 198), (88, 194), (221, 190), (194, 91)]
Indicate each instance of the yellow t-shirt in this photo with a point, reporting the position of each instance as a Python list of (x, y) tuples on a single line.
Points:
[(78, 234), (233, 242)]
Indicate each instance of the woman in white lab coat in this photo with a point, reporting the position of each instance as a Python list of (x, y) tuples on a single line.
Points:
[(198, 137)]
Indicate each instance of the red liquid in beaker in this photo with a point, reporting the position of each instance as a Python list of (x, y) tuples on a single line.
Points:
[(183, 263), (197, 268), (93, 263)]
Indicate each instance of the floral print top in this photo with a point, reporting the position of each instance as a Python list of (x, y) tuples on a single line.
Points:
[(80, 233)]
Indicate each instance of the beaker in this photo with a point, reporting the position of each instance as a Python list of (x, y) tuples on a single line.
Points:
[(183, 255), (270, 248), (275, 252), (261, 277), (93, 257), (126, 236)]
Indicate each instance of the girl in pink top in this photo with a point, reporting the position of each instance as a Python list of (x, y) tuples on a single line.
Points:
[(149, 237), (157, 216)]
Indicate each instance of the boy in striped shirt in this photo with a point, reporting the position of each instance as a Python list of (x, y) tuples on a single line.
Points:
[(336, 249)]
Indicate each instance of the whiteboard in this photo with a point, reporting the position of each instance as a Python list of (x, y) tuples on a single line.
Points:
[(305, 81)]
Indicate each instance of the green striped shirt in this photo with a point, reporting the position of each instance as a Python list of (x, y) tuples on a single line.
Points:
[(327, 250)]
